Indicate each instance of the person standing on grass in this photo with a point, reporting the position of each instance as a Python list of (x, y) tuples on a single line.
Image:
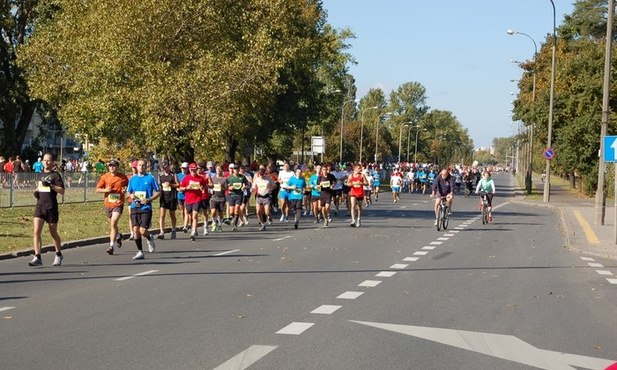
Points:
[(143, 189), (113, 184), (49, 185)]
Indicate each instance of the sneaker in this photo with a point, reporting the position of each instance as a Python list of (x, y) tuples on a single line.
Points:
[(206, 230), (286, 219), (490, 218), (160, 236), (139, 256), (234, 228), (282, 218), (132, 237), (119, 242), (353, 223), (275, 209), (151, 246), (185, 230), (329, 219), (214, 226), (246, 221), (35, 262), (193, 237), (310, 213), (358, 223), (57, 261), (435, 224), (262, 228), (449, 213), (296, 225), (269, 220), (304, 213), (173, 234), (110, 250), (327, 222), (336, 212)]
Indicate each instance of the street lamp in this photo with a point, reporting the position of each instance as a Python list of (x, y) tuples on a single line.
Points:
[(362, 129), (547, 183), (377, 132), (415, 154), (342, 120), (533, 99), (400, 137)]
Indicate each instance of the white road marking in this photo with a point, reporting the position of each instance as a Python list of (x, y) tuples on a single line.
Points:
[(506, 347), (604, 272), (370, 283), (411, 259), (459, 228), (454, 231), (448, 234), (386, 274), (246, 358), (443, 238), (326, 309), (295, 328), (350, 295), (612, 281), (399, 266), (6, 308), (224, 253), (136, 275), (420, 253), (436, 243), (283, 238), (428, 248), (587, 259), (595, 265)]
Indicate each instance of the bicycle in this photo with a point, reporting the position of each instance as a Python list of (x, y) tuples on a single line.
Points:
[(442, 214), (484, 196)]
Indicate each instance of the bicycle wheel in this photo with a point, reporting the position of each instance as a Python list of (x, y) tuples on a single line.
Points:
[(446, 219), (439, 218), (484, 213)]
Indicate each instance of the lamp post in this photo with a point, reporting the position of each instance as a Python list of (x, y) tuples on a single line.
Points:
[(533, 100), (400, 137), (547, 182), (377, 133), (362, 129), (342, 120)]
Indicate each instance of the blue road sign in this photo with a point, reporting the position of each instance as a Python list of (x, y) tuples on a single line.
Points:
[(549, 153), (610, 147)]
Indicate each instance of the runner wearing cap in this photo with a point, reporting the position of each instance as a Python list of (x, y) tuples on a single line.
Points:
[(205, 195), (169, 184), (184, 168), (237, 184), (356, 182), (217, 201), (263, 185), (193, 185), (284, 175), (113, 184)]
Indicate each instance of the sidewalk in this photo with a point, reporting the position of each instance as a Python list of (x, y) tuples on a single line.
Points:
[(577, 218)]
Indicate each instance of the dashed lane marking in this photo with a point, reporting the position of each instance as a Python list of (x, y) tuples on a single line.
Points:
[(436, 243), (587, 259), (411, 259), (442, 238), (604, 272), (428, 248), (283, 238), (228, 252), (399, 266), (370, 283), (295, 328), (136, 275), (419, 253), (595, 265), (6, 308), (246, 358), (326, 309), (612, 281), (386, 274), (350, 295)]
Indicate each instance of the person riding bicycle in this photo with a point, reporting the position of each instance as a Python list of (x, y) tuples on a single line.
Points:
[(443, 186), (487, 185)]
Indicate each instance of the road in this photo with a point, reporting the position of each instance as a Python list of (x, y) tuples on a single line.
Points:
[(393, 294)]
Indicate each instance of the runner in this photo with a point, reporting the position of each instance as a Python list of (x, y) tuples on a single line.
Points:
[(133, 173), (193, 185), (263, 185), (422, 176), (307, 174), (376, 173), (217, 201), (50, 184), (275, 192), (326, 182), (246, 196), (356, 182), (205, 195), (184, 167), (237, 184), (142, 189), (315, 193), (338, 187), (113, 184), (368, 187), (395, 183), (168, 182), (296, 185), (284, 175)]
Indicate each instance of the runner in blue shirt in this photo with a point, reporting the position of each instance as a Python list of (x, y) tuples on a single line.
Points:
[(422, 177), (376, 182), (296, 184), (181, 199), (315, 193)]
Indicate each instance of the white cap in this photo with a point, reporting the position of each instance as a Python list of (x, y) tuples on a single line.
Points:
[(184, 165), (231, 165)]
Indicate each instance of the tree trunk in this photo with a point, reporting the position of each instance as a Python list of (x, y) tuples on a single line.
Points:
[(231, 146), (572, 180)]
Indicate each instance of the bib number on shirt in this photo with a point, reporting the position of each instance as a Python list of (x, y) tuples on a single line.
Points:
[(113, 197)]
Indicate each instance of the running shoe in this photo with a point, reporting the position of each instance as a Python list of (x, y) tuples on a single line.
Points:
[(132, 237), (296, 225), (110, 250), (327, 222), (286, 219), (282, 218), (358, 224), (435, 223), (192, 237), (316, 221), (119, 241), (151, 246), (214, 226), (353, 223), (449, 212), (35, 262), (329, 219), (219, 228), (262, 228), (246, 221), (269, 220), (57, 261), (185, 230), (139, 256), (160, 236), (490, 218), (206, 230), (336, 212), (173, 234), (304, 213)]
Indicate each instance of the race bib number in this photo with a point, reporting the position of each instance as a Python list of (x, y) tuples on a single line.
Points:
[(325, 184), (298, 190), (141, 195), (194, 185), (237, 186), (357, 184), (166, 187), (113, 197), (44, 189), (217, 187)]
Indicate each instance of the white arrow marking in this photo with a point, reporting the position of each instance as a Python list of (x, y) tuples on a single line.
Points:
[(614, 147), (506, 347)]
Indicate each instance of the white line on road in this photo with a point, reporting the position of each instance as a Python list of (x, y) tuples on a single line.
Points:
[(454, 231), (136, 275), (595, 265), (350, 295), (295, 328), (419, 253), (587, 259), (228, 252), (399, 266), (246, 358), (410, 259), (448, 234), (386, 274), (443, 238), (428, 248), (6, 308), (370, 283), (326, 309), (283, 238), (436, 243), (612, 281), (604, 272)]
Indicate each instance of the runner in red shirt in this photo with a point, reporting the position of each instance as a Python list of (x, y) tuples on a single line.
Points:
[(356, 182), (193, 186)]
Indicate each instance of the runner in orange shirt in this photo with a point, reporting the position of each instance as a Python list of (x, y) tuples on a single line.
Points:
[(113, 184)]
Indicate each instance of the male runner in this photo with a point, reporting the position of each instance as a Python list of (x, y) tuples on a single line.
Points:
[(113, 184), (296, 185), (168, 182), (193, 185), (284, 175), (263, 185), (217, 201)]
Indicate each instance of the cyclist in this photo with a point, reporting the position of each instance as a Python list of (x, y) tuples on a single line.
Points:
[(487, 185), (443, 186)]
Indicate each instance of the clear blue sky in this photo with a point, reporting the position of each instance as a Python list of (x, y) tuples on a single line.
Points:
[(458, 50)]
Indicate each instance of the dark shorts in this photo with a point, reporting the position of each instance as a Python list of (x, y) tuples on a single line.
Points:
[(235, 201), (204, 204), (217, 205), (314, 199), (142, 219), (51, 216), (359, 199), (338, 192), (264, 201), (367, 193), (109, 211), (246, 199), (171, 205), (325, 198), (181, 202), (346, 189), (296, 204), (193, 207)]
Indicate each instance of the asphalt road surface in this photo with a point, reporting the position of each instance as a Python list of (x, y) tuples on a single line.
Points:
[(393, 294)]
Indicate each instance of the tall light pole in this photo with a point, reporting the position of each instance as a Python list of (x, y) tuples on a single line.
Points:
[(400, 137), (533, 100), (547, 182), (342, 120), (377, 132), (362, 129), (415, 154)]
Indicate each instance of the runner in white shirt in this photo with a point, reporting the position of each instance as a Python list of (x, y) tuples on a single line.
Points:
[(284, 175), (396, 181), (367, 188)]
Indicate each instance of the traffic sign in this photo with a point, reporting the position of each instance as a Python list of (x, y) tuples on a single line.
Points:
[(549, 153), (610, 148)]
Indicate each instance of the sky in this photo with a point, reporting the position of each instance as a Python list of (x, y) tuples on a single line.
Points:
[(458, 50)]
